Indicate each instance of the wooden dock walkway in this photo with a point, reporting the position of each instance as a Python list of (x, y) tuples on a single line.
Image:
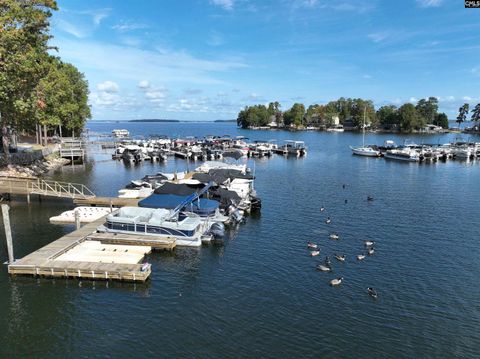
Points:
[(28, 186), (107, 201), (155, 242), (45, 261)]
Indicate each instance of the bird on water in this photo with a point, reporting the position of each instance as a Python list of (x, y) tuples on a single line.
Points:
[(336, 281)]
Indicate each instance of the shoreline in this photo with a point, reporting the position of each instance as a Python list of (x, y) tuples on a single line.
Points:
[(35, 169)]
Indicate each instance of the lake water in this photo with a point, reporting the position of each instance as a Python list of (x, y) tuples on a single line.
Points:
[(258, 294)]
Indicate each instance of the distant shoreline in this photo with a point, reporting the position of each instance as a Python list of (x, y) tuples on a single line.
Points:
[(153, 120)]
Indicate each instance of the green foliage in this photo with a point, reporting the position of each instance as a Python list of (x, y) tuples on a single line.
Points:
[(35, 86), (254, 116), (62, 96), (462, 114), (388, 115), (410, 118), (23, 53), (427, 109), (476, 113), (295, 115), (441, 120)]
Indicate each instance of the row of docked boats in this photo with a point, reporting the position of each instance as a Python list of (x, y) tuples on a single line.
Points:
[(207, 148), (191, 207), (421, 153)]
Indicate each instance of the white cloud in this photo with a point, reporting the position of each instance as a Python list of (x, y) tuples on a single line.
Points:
[(144, 84), (95, 58), (378, 36), (129, 26), (429, 3), (310, 3), (75, 30), (367, 76), (156, 95), (467, 98), (215, 39), (98, 15), (225, 4), (104, 99), (192, 91), (108, 87), (413, 100)]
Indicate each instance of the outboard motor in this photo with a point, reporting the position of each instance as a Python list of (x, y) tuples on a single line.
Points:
[(255, 203), (235, 214), (217, 230)]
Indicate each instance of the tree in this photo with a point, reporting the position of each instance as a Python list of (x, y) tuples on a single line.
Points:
[(295, 115), (253, 116), (462, 114), (409, 118), (476, 114), (275, 113), (63, 93), (360, 108), (24, 39), (388, 115), (441, 120), (428, 109)]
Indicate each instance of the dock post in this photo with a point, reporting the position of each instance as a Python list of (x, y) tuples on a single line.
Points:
[(28, 198), (8, 231), (111, 206), (77, 219)]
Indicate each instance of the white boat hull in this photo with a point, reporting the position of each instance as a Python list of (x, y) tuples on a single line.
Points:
[(362, 151)]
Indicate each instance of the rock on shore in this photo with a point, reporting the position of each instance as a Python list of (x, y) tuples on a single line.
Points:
[(35, 169)]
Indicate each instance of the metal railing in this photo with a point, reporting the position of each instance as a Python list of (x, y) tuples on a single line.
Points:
[(16, 185), (71, 152)]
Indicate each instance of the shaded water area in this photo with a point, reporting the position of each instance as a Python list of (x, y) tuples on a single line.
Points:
[(258, 294)]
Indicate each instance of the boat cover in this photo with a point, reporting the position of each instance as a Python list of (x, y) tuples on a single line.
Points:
[(178, 189), (204, 207), (221, 175)]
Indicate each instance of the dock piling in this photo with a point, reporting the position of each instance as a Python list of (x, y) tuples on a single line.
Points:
[(8, 232), (77, 219)]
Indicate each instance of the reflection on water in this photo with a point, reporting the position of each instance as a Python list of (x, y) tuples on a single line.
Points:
[(257, 293)]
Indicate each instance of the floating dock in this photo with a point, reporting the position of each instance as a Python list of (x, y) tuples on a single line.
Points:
[(87, 254), (107, 201)]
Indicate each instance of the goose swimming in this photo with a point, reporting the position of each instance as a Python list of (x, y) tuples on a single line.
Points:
[(336, 281), (369, 243), (341, 258), (314, 253), (334, 236), (361, 257), (327, 261), (324, 268), (369, 198), (311, 245), (322, 209), (372, 292), (371, 251), (328, 220)]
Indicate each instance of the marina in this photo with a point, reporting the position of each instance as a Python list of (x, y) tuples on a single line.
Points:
[(291, 215), (239, 179)]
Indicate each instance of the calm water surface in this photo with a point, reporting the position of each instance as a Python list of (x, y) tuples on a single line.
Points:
[(258, 294)]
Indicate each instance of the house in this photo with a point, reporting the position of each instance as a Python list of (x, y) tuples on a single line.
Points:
[(432, 128)]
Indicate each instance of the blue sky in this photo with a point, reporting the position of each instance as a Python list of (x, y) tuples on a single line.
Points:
[(207, 59)]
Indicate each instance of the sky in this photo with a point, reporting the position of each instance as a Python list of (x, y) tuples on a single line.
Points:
[(207, 59)]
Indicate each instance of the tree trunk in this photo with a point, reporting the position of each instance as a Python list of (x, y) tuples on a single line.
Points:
[(45, 135), (5, 137), (40, 137), (60, 131)]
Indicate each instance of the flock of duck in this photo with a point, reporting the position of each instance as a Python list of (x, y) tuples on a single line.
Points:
[(326, 265)]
